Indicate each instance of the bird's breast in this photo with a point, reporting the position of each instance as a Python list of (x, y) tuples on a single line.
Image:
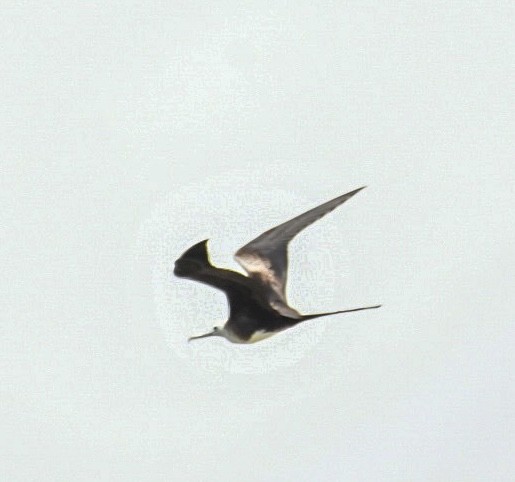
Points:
[(260, 335), (256, 336)]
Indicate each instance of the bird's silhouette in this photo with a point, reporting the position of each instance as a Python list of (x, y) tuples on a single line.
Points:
[(258, 307)]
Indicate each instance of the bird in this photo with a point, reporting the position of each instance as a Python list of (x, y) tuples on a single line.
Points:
[(258, 308)]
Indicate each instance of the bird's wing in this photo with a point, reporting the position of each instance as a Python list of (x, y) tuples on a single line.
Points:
[(266, 258), (194, 264)]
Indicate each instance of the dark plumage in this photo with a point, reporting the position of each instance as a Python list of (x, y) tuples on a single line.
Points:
[(257, 303)]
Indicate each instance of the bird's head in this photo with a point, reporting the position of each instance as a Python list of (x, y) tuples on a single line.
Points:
[(217, 331)]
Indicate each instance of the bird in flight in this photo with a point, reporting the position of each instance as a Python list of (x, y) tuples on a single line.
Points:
[(258, 307)]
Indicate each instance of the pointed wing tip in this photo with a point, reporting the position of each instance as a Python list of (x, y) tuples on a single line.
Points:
[(202, 244), (197, 251), (357, 190), (348, 195)]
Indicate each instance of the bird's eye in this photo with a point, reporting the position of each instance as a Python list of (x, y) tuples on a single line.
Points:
[(215, 328)]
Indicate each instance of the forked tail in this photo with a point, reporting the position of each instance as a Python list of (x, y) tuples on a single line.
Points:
[(318, 315)]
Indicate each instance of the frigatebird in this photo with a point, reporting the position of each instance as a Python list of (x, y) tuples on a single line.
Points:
[(258, 307)]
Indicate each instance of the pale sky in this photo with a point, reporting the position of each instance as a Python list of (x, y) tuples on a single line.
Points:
[(132, 130)]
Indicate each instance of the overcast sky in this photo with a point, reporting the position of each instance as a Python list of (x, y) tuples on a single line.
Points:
[(131, 130)]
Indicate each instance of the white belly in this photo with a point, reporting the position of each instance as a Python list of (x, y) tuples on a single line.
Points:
[(257, 336), (260, 335)]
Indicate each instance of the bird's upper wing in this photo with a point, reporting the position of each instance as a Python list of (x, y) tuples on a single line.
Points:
[(241, 293), (266, 258)]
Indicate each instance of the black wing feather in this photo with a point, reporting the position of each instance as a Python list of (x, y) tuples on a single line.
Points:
[(265, 258), (242, 292)]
